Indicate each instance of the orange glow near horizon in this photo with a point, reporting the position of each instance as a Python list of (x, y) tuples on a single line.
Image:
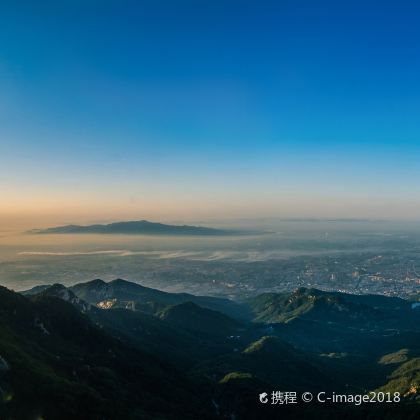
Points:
[(30, 211)]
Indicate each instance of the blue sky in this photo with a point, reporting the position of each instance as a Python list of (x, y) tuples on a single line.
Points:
[(210, 108)]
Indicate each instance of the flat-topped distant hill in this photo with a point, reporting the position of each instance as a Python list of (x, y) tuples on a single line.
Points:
[(137, 227)]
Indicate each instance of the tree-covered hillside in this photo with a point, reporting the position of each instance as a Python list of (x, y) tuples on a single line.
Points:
[(119, 350)]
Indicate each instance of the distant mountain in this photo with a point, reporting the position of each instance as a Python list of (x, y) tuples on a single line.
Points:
[(141, 227), (63, 293), (332, 307), (121, 293)]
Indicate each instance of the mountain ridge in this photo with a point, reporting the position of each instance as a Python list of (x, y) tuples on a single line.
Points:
[(302, 340), (135, 227)]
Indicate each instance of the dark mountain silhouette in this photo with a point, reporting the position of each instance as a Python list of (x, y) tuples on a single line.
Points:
[(141, 227)]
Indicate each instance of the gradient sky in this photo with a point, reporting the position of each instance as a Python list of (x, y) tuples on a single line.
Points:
[(175, 109)]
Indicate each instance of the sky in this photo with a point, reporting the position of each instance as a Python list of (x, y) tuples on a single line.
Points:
[(182, 110)]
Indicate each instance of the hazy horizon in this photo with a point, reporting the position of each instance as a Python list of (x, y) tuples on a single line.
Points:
[(18, 225), (183, 263)]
